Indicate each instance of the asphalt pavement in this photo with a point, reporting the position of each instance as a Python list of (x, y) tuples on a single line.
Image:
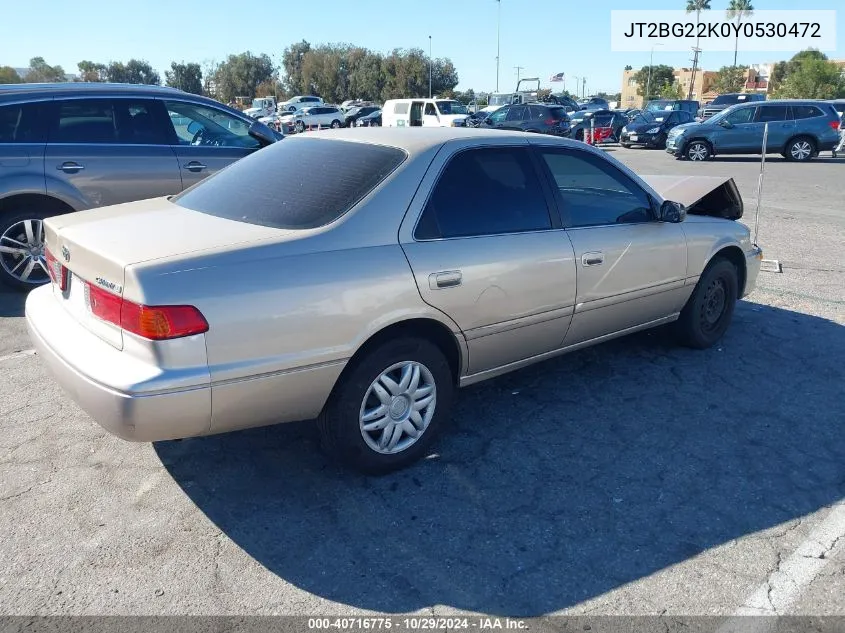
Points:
[(631, 478)]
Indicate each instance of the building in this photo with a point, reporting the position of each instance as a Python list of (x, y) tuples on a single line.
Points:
[(701, 91)]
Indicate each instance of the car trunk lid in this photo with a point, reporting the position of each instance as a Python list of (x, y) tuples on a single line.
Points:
[(89, 251)]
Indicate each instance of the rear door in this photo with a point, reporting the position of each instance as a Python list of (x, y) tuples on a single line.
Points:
[(781, 125), (485, 250), (104, 151), (516, 117), (206, 139)]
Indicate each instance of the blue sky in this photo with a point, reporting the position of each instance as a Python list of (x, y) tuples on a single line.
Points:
[(543, 36)]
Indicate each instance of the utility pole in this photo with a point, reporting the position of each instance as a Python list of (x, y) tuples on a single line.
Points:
[(518, 69), (648, 83), (696, 50), (429, 66), (583, 87), (577, 84), (498, 32)]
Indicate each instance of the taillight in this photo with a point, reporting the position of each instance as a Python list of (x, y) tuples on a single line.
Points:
[(551, 121), (157, 323), (834, 124), (58, 273)]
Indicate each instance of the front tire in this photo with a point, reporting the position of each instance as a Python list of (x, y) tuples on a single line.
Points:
[(389, 406), (800, 149), (335, 124), (299, 127), (697, 151), (708, 312), (23, 265)]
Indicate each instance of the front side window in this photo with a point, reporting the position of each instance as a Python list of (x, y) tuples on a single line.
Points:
[(129, 121), (487, 191), (429, 110), (201, 125), (23, 123), (594, 193), (741, 115), (499, 115)]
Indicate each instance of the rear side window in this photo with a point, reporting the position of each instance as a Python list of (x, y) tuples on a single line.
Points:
[(130, 121), (806, 111), (23, 123), (280, 186), (537, 112), (773, 113), (487, 191), (401, 108)]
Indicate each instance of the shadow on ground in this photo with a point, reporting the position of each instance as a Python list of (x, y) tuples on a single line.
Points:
[(555, 484), (12, 303)]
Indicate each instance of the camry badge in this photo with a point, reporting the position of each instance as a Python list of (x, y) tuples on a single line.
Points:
[(66, 253)]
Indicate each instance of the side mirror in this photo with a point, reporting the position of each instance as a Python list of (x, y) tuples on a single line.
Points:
[(726, 124), (672, 212), (263, 133)]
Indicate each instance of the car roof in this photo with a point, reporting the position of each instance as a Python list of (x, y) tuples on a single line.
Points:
[(418, 140), (83, 87)]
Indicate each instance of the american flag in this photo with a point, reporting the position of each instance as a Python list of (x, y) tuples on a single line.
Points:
[(557, 77)]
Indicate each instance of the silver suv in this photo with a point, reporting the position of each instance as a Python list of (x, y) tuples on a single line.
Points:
[(74, 146)]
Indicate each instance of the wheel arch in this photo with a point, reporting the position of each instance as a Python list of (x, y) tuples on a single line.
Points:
[(702, 139), (733, 254), (38, 201), (810, 137)]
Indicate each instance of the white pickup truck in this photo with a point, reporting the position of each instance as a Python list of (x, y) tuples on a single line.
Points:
[(261, 107)]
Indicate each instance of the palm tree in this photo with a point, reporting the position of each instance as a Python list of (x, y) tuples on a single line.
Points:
[(698, 6), (739, 9)]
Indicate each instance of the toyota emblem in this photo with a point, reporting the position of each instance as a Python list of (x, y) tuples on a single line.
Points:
[(66, 253)]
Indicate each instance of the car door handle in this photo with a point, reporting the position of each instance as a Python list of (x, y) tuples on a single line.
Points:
[(70, 167), (195, 166), (592, 259), (445, 279)]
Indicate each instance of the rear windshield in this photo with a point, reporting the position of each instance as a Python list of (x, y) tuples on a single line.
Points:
[(286, 185)]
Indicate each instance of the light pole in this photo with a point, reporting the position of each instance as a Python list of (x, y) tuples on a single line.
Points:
[(498, 32), (429, 66), (650, 64)]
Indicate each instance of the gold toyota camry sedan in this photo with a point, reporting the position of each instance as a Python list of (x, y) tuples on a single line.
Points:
[(360, 277)]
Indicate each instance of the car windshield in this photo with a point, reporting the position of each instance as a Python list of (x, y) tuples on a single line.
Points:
[(258, 103), (729, 99), (650, 117), (276, 187), (658, 106), (724, 113), (452, 107)]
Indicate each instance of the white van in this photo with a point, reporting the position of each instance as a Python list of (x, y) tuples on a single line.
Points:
[(423, 113)]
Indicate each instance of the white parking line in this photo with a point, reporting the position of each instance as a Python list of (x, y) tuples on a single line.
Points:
[(20, 354), (784, 585)]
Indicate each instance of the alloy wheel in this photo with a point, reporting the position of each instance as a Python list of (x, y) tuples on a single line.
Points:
[(398, 407), (697, 151), (22, 252), (801, 150)]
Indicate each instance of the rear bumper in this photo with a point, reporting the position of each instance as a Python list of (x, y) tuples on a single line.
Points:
[(88, 369)]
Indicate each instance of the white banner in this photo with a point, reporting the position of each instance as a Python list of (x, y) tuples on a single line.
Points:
[(674, 31)]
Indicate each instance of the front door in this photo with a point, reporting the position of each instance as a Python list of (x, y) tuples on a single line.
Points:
[(741, 134), (109, 151), (631, 267), (206, 139), (486, 253), (497, 118), (431, 118)]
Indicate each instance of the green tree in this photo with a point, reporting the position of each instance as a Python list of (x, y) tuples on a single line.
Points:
[(91, 71), (41, 72), (660, 75), (292, 59), (240, 75), (739, 9), (813, 79), (779, 71), (9, 75), (134, 71), (730, 79), (187, 77), (671, 90)]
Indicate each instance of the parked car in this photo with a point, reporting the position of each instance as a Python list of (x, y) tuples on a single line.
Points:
[(262, 107), (299, 102), (727, 100), (683, 105), (71, 146), (353, 114), (798, 129), (317, 116), (423, 113), (594, 103), (373, 119), (581, 122), (650, 129), (475, 119), (436, 259), (531, 117)]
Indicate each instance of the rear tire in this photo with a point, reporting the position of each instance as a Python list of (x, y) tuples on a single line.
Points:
[(335, 124), (372, 393), (708, 312), (800, 149), (22, 251)]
